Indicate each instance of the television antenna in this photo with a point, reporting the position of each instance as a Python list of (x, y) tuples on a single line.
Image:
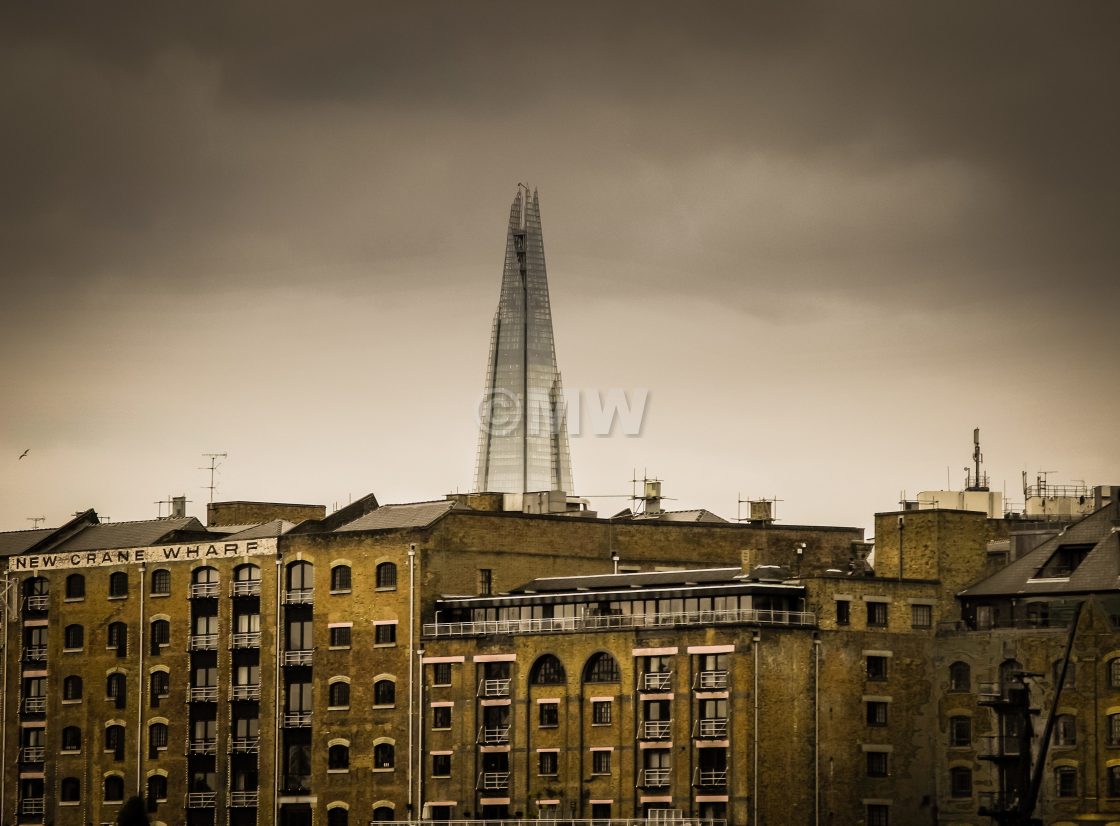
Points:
[(213, 468)]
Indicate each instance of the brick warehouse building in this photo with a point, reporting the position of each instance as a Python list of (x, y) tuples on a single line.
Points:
[(448, 660)]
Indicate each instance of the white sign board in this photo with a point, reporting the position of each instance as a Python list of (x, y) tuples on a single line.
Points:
[(153, 554)]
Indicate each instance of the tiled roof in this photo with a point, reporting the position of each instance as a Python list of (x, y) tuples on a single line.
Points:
[(16, 542), (411, 515), (277, 527), (127, 534)]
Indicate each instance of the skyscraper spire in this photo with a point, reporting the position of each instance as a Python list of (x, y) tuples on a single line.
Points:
[(523, 441)]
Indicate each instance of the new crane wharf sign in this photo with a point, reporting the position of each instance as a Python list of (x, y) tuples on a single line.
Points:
[(186, 552)]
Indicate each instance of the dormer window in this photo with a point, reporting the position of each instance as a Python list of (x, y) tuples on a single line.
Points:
[(1064, 561)]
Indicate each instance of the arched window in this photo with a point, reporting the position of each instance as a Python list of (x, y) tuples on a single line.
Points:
[(960, 781), (547, 670), (384, 693), (1112, 730), (338, 816), (338, 695), (117, 637), (116, 689), (36, 586), (301, 575), (204, 575), (386, 576), (1114, 672), (70, 790), (960, 676), (160, 686), (1009, 675), (71, 738), (1065, 730), (75, 586), (384, 755), (72, 687), (960, 731), (114, 741), (601, 668), (161, 582), (118, 584), (74, 637), (157, 788), (340, 581), (160, 634), (1066, 781), (114, 789), (338, 757), (247, 573), (383, 814), (157, 736)]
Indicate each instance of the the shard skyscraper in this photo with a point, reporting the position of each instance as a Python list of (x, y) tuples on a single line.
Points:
[(523, 442)]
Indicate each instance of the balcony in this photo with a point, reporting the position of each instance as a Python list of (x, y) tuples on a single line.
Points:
[(35, 654), (712, 728), (207, 746), (34, 705), (1003, 747), (494, 688), (37, 602), (32, 754), (995, 803), (493, 781), (494, 735), (32, 806), (711, 681), (245, 745), (245, 692), (297, 719), (245, 588), (599, 622), (301, 657), (204, 590), (202, 694), (202, 800), (710, 778), (244, 798), (247, 639), (657, 681), (654, 778), (655, 729), (202, 642), (299, 596)]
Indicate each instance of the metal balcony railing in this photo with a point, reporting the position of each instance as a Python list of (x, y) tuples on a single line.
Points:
[(37, 602), (304, 656), (492, 781), (712, 728), (202, 800), (297, 719), (202, 642), (245, 745), (299, 596), (244, 798), (494, 688), (711, 680), (655, 729), (596, 622), (993, 802), (674, 820), (32, 806), (203, 589), (1003, 745), (202, 694), (657, 681), (32, 754), (493, 735), (34, 705), (251, 691), (207, 746), (710, 777), (245, 588), (247, 639), (35, 653), (654, 778)]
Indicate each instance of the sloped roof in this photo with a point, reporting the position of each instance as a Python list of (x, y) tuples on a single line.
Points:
[(277, 527), (17, 542), (643, 579), (127, 534), (693, 515), (411, 515)]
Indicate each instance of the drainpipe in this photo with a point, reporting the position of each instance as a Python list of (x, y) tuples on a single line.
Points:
[(140, 686), (411, 668), (420, 736), (816, 729), (756, 640), (277, 700)]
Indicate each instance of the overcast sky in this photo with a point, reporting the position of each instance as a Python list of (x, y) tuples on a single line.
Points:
[(828, 239)]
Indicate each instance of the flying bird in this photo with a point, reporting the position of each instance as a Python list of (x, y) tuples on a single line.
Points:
[(24, 453)]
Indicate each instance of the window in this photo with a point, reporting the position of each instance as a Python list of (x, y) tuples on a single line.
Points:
[(114, 789), (1114, 781), (340, 579), (876, 764), (960, 676), (960, 781), (386, 576), (383, 756), (441, 673), (160, 686), (441, 717), (114, 741), (877, 614), (161, 582), (601, 668), (548, 763), (1066, 781), (72, 688), (384, 693), (338, 757), (75, 586), (338, 695), (157, 788), (74, 637), (340, 636), (1112, 734), (601, 713), (548, 715), (116, 689), (384, 814), (1071, 673), (118, 586), (876, 667), (878, 815), (338, 816), (1114, 672), (441, 765), (157, 736), (877, 713), (921, 616), (843, 612), (301, 577), (960, 731), (117, 637), (547, 670), (71, 739), (485, 581), (70, 790), (385, 633), (600, 762), (1065, 730)]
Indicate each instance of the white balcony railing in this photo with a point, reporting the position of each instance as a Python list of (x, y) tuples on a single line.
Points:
[(712, 728), (597, 622), (657, 681), (493, 735), (203, 693), (204, 589), (655, 729), (34, 705), (297, 719), (711, 680), (203, 642), (245, 745), (32, 754), (247, 639), (246, 692), (494, 688), (674, 819), (32, 806), (208, 746), (244, 798), (245, 588), (301, 657), (652, 778), (711, 777), (37, 602), (299, 596), (492, 781), (202, 800), (35, 652)]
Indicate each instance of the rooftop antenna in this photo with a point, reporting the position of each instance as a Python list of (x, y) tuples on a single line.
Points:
[(213, 467), (36, 519), (977, 480)]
